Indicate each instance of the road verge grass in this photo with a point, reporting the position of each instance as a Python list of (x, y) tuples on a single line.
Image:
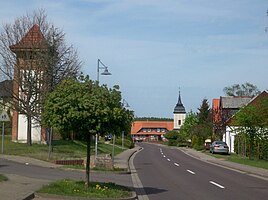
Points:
[(62, 149), (3, 178), (79, 189), (241, 160)]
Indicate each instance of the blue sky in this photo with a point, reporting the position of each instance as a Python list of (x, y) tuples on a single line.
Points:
[(155, 47)]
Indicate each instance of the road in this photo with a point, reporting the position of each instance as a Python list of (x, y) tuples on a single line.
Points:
[(168, 173)]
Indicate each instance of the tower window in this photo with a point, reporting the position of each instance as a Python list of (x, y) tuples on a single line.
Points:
[(179, 122)]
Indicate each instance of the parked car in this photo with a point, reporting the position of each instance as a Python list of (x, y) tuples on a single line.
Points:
[(108, 137), (219, 147)]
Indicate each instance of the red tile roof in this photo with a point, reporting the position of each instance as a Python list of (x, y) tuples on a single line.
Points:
[(32, 39), (138, 125)]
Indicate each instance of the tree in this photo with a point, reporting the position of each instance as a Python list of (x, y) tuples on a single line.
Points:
[(252, 121), (203, 129), (38, 66), (189, 125), (245, 89), (83, 106)]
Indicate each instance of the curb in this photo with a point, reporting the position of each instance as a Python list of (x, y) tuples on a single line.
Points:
[(54, 196), (28, 196), (137, 149)]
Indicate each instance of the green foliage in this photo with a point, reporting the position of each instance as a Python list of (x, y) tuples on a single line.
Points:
[(197, 143), (3, 178), (245, 89), (252, 140), (204, 112), (152, 119), (187, 129), (128, 143), (172, 137), (85, 107)]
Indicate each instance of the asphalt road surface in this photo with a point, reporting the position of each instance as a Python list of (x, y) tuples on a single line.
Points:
[(168, 173)]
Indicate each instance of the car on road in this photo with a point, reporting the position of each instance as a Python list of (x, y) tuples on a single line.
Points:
[(219, 147)]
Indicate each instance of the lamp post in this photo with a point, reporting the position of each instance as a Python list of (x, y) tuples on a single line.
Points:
[(125, 103), (100, 65)]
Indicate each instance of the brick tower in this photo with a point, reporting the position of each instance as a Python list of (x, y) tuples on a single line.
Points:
[(28, 65)]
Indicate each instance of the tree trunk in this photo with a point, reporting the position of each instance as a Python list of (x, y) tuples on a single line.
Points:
[(29, 130), (88, 160)]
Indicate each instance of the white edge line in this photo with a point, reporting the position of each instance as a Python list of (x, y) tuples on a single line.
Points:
[(218, 185)]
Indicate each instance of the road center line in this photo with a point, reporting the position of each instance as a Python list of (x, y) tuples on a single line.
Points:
[(218, 185), (168, 159), (191, 172), (164, 156), (176, 164)]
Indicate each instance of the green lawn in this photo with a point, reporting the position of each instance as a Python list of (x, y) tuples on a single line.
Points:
[(241, 160), (62, 149), (79, 189)]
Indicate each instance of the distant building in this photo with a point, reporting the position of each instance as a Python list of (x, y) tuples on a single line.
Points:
[(150, 130), (156, 130)]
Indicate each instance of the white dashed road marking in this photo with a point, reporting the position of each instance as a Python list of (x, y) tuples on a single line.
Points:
[(168, 159), (176, 164), (190, 171), (216, 184), (164, 156)]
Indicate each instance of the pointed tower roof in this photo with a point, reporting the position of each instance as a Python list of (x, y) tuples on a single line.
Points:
[(32, 39), (179, 108)]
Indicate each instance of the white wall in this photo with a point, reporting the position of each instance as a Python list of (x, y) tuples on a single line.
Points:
[(229, 137), (22, 130), (177, 117)]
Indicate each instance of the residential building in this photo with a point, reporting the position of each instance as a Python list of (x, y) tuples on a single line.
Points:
[(232, 128)]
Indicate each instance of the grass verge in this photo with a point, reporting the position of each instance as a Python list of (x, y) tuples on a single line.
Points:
[(78, 189), (62, 149), (241, 160), (3, 178)]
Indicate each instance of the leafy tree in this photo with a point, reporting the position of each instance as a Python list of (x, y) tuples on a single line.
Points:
[(187, 129), (44, 64), (86, 108), (252, 120), (245, 89)]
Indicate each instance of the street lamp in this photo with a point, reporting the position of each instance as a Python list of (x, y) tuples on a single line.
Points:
[(103, 66), (126, 105), (105, 73)]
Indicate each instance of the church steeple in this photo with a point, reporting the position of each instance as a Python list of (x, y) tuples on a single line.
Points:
[(179, 108)]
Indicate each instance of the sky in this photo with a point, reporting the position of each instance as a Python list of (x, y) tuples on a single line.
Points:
[(156, 48)]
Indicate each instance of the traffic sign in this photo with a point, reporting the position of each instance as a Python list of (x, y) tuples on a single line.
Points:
[(4, 117)]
